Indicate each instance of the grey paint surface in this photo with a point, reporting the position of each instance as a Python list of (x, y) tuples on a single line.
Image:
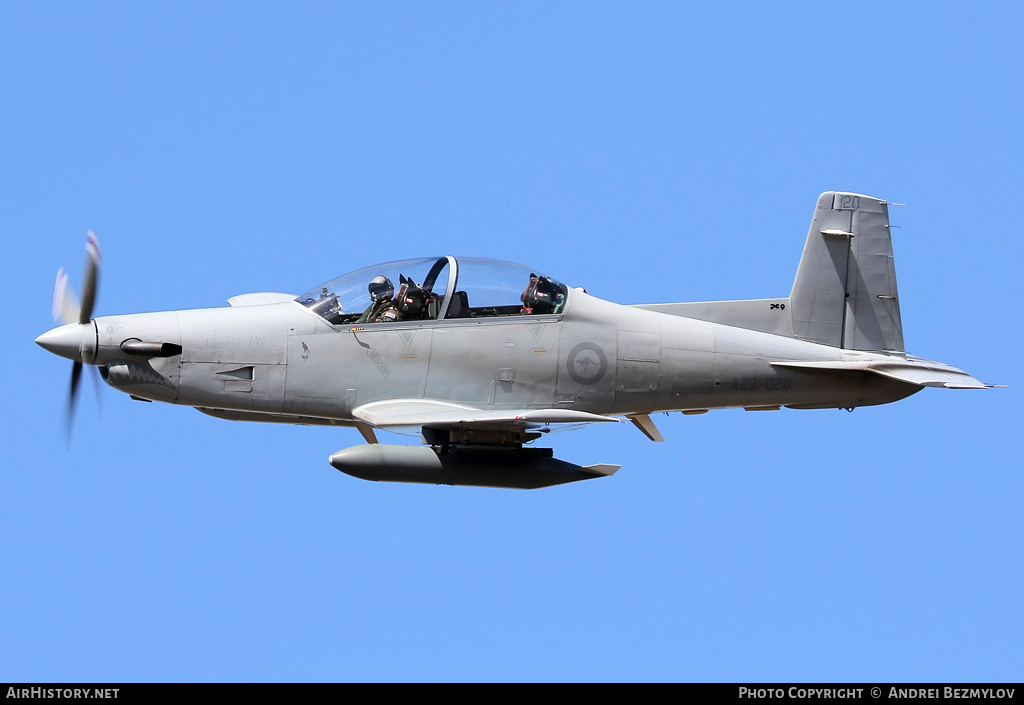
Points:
[(479, 387)]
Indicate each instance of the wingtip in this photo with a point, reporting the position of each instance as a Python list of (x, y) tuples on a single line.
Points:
[(602, 469)]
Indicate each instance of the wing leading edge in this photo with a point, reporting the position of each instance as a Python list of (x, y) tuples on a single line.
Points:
[(397, 413)]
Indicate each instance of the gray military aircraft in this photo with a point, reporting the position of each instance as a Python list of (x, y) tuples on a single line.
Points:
[(482, 357)]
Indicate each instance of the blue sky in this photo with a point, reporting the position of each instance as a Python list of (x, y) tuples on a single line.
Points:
[(649, 152)]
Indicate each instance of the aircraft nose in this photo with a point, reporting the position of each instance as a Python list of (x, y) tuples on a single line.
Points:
[(75, 341)]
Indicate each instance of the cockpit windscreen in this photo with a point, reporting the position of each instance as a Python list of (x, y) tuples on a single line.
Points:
[(436, 288)]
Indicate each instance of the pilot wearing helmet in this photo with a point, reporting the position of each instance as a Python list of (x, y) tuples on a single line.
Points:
[(382, 309), (542, 295)]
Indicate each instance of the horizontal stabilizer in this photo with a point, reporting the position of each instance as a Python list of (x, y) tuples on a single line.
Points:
[(924, 373), (764, 315)]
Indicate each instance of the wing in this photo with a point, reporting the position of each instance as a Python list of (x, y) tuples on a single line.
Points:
[(467, 446), (444, 422), (399, 413)]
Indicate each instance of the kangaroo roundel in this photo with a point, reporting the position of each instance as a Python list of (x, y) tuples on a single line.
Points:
[(587, 363)]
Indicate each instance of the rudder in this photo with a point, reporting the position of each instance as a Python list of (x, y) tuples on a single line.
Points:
[(845, 294)]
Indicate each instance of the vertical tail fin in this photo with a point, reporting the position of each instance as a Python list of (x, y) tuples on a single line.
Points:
[(844, 294)]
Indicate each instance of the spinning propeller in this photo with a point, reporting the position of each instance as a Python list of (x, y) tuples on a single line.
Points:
[(76, 339)]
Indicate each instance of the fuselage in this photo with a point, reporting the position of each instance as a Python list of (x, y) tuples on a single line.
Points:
[(282, 361)]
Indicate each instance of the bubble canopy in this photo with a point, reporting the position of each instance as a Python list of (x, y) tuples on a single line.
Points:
[(448, 288)]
